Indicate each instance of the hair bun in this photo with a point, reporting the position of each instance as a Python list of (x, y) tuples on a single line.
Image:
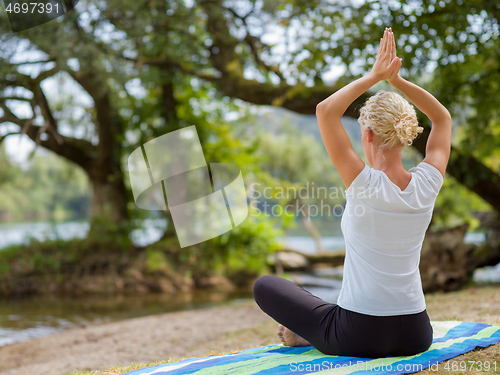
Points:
[(392, 118), (407, 129)]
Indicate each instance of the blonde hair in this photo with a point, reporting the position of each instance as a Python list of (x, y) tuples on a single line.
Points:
[(392, 119)]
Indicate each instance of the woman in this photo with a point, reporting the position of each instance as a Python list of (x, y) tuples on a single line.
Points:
[(381, 308)]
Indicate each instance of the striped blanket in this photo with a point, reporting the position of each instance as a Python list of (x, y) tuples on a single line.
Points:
[(450, 340)]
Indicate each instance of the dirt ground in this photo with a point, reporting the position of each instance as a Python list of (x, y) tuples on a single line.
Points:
[(204, 332), (139, 340)]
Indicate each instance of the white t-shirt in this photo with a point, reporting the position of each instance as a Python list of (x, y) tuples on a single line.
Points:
[(384, 228)]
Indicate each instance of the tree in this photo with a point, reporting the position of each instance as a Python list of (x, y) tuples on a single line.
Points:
[(106, 92), (458, 38), (225, 40), (456, 43), (297, 176), (273, 52), (65, 48)]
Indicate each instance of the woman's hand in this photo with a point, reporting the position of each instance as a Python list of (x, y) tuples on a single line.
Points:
[(387, 64), (330, 111)]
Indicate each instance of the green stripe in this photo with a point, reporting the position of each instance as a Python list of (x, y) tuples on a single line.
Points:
[(487, 332), (377, 363), (200, 361), (252, 366), (440, 329)]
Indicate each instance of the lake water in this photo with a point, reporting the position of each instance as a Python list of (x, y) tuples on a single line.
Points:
[(26, 318), (17, 233)]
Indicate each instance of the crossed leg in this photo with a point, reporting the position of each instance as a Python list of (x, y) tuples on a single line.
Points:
[(290, 338), (304, 318), (308, 320)]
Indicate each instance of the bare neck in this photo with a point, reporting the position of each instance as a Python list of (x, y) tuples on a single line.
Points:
[(388, 162)]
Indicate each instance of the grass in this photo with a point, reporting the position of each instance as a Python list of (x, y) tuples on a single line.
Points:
[(474, 303), (117, 370)]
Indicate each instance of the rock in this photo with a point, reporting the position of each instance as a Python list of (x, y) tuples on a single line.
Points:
[(335, 272), (216, 282), (290, 260), (316, 281), (166, 285), (443, 261), (489, 274)]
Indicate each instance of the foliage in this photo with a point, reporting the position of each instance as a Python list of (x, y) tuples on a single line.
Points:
[(156, 260), (455, 205), (48, 188), (54, 257), (295, 178), (239, 254), (112, 235), (244, 249), (450, 47), (141, 69)]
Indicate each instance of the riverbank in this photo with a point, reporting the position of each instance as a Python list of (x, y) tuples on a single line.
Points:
[(22, 319), (173, 336), (109, 264)]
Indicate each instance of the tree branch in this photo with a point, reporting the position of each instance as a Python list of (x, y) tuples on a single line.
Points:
[(50, 121), (2, 138), (468, 171), (20, 98), (76, 150), (79, 151), (33, 62), (46, 74), (252, 42)]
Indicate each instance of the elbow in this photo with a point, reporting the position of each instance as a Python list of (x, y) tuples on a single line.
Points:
[(446, 117), (325, 109), (320, 109), (443, 118), (326, 114)]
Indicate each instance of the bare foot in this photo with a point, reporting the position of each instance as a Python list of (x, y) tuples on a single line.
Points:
[(289, 338)]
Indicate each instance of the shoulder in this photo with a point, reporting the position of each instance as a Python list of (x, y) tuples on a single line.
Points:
[(361, 180), (428, 174)]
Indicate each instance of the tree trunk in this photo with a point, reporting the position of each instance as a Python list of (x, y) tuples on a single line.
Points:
[(314, 233), (487, 254), (443, 260), (109, 199), (447, 263)]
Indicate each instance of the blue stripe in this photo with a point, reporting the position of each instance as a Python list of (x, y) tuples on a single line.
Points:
[(226, 360), (307, 366), (465, 329), (147, 370), (426, 359), (250, 353), (434, 356)]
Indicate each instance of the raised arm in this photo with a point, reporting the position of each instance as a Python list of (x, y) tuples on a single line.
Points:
[(330, 111), (438, 146)]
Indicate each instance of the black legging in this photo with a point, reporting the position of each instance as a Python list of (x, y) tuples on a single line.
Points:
[(337, 331)]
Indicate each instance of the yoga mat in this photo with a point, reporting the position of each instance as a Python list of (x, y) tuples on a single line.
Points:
[(450, 339)]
